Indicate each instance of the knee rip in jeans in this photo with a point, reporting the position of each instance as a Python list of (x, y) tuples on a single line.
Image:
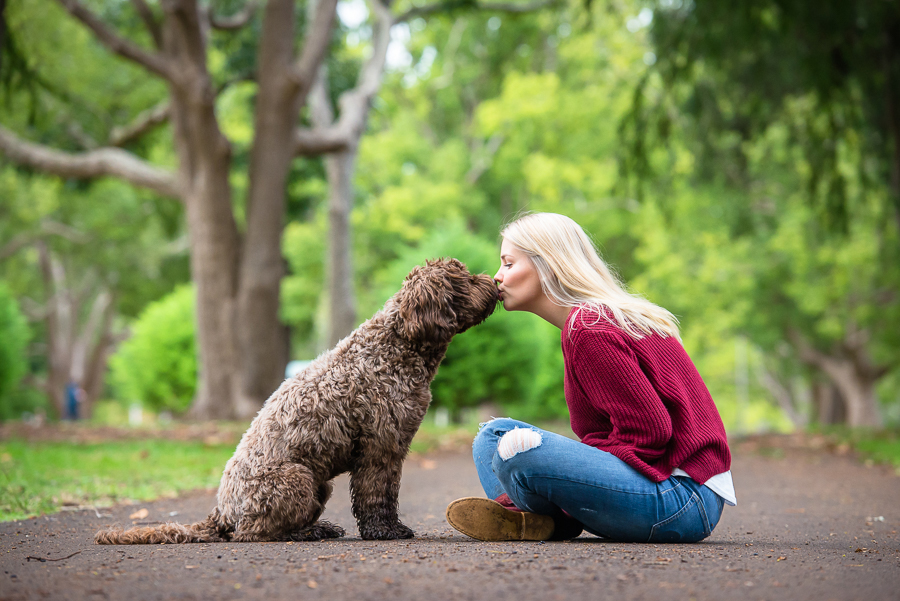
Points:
[(517, 441), (483, 425)]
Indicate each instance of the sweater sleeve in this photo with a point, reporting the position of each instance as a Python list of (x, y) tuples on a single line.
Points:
[(610, 376)]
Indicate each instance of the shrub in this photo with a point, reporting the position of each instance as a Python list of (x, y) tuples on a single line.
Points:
[(13, 362), (157, 365)]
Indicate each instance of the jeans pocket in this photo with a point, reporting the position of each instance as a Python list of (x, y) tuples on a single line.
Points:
[(688, 525)]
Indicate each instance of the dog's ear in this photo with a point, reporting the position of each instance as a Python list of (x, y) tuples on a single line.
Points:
[(426, 304)]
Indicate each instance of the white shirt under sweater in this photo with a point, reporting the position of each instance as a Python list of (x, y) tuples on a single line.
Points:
[(721, 484)]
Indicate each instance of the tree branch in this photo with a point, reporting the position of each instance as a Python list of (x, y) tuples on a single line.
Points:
[(316, 141), (323, 139), (807, 353), (235, 21), (95, 163), (98, 320), (451, 5), (33, 310), (17, 243), (149, 21), (327, 137), (318, 35), (483, 158), (144, 122), (781, 394), (124, 48), (46, 227)]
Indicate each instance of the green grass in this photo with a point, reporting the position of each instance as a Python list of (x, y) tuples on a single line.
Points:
[(431, 438), (43, 477), (881, 447)]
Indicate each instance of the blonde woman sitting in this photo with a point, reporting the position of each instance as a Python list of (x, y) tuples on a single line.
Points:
[(652, 464)]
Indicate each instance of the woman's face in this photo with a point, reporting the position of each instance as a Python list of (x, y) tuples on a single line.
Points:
[(518, 280)]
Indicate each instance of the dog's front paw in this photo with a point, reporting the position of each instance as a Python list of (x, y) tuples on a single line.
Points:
[(318, 531), (385, 532)]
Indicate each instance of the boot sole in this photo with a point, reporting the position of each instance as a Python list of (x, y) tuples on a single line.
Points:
[(487, 520)]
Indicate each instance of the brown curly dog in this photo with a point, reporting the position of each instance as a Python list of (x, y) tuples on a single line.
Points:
[(354, 409)]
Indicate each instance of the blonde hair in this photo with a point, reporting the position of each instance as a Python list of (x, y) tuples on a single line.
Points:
[(572, 274)]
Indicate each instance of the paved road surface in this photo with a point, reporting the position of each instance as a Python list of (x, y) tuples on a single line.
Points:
[(809, 525)]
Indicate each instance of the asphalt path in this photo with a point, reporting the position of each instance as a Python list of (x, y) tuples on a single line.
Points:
[(810, 524)]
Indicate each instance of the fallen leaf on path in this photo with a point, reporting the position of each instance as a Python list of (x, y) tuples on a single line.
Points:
[(139, 514), (312, 584), (428, 464)]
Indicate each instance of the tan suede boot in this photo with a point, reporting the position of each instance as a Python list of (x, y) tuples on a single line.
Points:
[(488, 520)]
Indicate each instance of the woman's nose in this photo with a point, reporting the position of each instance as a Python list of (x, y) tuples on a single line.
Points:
[(497, 277)]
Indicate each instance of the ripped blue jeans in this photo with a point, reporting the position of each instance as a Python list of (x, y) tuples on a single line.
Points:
[(609, 497)]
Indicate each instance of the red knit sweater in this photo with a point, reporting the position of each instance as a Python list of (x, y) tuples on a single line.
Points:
[(641, 400)]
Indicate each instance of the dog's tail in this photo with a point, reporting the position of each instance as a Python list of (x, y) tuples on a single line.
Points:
[(206, 531)]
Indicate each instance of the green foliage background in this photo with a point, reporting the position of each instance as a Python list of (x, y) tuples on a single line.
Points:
[(724, 169), (13, 364), (157, 365)]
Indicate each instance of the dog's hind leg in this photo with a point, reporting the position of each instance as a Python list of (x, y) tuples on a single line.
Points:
[(321, 529), (279, 503), (374, 491), (318, 531)]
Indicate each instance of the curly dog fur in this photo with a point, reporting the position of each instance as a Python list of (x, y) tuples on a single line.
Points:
[(354, 409)]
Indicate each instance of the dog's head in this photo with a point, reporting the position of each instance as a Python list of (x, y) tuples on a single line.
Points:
[(441, 299)]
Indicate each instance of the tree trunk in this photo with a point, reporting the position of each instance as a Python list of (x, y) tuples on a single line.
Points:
[(340, 167), (204, 161), (857, 391), (213, 268), (892, 96), (260, 334), (827, 404), (242, 345), (76, 349), (852, 372), (283, 87), (783, 395), (96, 367)]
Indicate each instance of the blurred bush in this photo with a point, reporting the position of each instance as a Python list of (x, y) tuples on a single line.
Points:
[(13, 361), (157, 365)]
